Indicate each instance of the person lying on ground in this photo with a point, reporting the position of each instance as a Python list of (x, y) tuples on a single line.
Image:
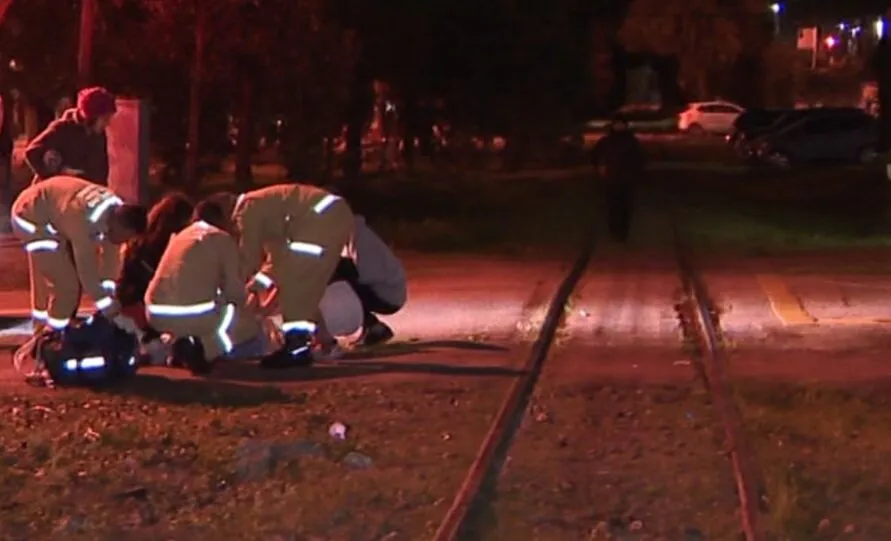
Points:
[(63, 222), (140, 258), (304, 229), (197, 294)]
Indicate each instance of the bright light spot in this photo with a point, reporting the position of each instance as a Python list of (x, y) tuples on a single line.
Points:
[(879, 27), (830, 42), (855, 31), (841, 26), (14, 65), (776, 8)]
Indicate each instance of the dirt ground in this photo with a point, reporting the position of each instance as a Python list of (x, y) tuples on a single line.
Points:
[(191, 460), (632, 456), (822, 435)]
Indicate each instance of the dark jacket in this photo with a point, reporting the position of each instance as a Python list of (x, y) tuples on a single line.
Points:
[(618, 156), (139, 261), (68, 143)]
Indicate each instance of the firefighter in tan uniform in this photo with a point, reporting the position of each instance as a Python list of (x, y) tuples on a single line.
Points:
[(198, 293), (303, 230), (62, 222)]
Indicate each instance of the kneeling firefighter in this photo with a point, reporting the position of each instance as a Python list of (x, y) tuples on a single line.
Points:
[(62, 222), (198, 293), (304, 229)]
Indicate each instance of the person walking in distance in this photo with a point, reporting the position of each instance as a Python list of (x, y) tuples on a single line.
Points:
[(63, 222), (75, 143), (618, 158), (304, 229)]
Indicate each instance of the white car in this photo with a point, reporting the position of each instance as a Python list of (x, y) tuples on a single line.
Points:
[(709, 117)]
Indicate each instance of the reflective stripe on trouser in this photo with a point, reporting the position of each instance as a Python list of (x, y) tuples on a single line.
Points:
[(220, 327), (312, 254), (55, 289)]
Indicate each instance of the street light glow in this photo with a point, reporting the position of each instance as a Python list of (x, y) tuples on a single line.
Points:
[(830, 42), (879, 27), (776, 8)]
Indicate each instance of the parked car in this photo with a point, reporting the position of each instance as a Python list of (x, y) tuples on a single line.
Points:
[(837, 138), (750, 121), (746, 141), (708, 117)]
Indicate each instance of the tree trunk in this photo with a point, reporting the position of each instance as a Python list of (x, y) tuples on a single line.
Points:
[(360, 104), (244, 148), (197, 76), (85, 45)]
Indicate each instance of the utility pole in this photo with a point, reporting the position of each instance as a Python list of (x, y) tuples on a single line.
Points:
[(85, 45)]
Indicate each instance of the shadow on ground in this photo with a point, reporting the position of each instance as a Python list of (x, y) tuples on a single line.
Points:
[(244, 384), (193, 391), (367, 362)]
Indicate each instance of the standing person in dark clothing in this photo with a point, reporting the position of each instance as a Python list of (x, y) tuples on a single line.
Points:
[(618, 157), (169, 216), (75, 144)]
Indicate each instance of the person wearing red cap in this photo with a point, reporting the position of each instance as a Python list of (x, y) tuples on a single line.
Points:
[(74, 144)]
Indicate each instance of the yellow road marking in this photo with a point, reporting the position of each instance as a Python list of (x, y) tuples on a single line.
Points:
[(786, 306), (854, 321)]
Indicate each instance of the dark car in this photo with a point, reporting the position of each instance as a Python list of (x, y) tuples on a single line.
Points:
[(752, 120), (747, 143), (835, 137)]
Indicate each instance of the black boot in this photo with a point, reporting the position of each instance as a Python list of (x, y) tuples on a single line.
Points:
[(189, 352), (375, 332), (297, 352)]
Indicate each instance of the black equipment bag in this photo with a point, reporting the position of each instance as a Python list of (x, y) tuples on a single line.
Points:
[(91, 351)]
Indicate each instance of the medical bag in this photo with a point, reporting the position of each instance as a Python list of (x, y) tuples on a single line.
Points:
[(91, 351)]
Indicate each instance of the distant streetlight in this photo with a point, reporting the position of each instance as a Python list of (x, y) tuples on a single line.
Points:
[(830, 42), (776, 8), (879, 27)]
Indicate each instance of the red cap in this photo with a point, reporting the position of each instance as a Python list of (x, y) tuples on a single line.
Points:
[(95, 102)]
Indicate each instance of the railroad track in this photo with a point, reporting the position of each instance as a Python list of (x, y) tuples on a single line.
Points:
[(701, 329)]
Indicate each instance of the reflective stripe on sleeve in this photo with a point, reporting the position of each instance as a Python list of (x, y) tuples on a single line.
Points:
[(324, 203), (263, 279), (305, 248), (106, 204), (24, 224)]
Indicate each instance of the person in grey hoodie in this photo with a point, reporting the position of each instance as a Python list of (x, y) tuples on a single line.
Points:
[(378, 279)]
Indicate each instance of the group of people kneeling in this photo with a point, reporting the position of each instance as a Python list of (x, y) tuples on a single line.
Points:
[(207, 279)]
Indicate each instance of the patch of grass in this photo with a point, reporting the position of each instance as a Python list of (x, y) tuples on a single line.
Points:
[(823, 452), (637, 461), (82, 465), (774, 230)]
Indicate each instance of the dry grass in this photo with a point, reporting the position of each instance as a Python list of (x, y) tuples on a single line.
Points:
[(162, 464), (624, 460), (824, 452)]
